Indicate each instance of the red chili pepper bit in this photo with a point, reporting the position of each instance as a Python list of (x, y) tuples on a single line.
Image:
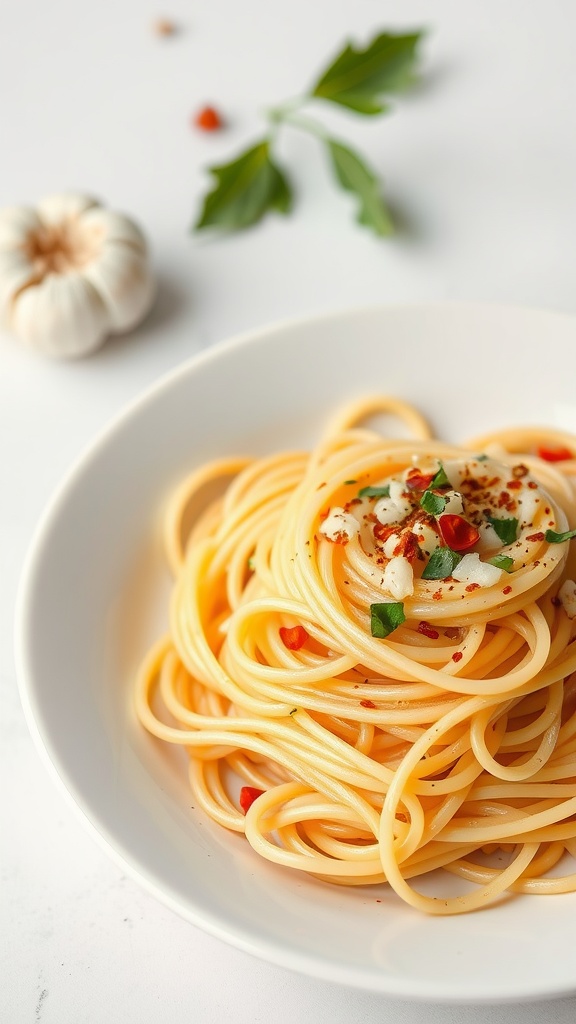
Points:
[(554, 454), (457, 656), (457, 533), (248, 794), (426, 629), (367, 703), (407, 546), (293, 637), (417, 481), (382, 532), (208, 119)]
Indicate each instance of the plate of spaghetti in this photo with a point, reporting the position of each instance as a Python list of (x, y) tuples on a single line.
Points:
[(308, 672)]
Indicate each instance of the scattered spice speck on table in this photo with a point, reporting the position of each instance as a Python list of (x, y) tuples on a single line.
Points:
[(208, 119), (165, 27)]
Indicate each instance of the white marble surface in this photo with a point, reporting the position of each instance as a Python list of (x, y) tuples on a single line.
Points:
[(481, 162)]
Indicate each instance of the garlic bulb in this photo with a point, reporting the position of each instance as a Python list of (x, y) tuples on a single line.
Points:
[(71, 273)]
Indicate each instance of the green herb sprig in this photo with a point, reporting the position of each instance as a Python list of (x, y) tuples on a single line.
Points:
[(551, 537), (359, 79), (385, 618), (375, 491), (506, 529), (502, 562), (432, 503), (441, 564)]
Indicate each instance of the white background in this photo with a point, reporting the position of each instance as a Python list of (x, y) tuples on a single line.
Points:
[(479, 162)]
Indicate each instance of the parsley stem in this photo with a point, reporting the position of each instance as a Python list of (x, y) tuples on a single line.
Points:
[(279, 113), (306, 124), (288, 113)]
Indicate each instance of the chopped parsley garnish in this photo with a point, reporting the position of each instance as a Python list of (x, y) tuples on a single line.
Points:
[(505, 529), (251, 564), (432, 503), (375, 492), (502, 562), (441, 564), (350, 481), (386, 617), (558, 538), (481, 458), (440, 480)]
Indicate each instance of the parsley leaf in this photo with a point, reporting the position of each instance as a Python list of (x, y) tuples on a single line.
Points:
[(358, 78), (375, 492), (434, 504), (246, 189), (386, 617), (441, 564), (505, 529), (355, 176), (440, 480), (558, 538), (502, 562)]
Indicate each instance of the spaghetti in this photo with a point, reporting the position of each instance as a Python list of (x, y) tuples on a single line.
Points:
[(376, 638)]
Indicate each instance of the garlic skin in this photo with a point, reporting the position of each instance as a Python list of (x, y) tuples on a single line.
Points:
[(71, 273)]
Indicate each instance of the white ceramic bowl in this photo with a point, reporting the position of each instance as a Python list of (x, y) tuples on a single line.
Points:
[(94, 594)]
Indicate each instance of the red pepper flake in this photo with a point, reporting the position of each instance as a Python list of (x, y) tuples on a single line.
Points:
[(554, 454), (437, 596), (293, 637), (471, 587), (248, 794), (471, 484), (514, 485), (367, 703), (532, 485), (457, 656), (426, 629), (339, 538), (504, 498), (208, 119), (382, 532), (417, 481), (520, 470), (507, 590), (407, 546), (535, 536), (164, 27), (457, 533)]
